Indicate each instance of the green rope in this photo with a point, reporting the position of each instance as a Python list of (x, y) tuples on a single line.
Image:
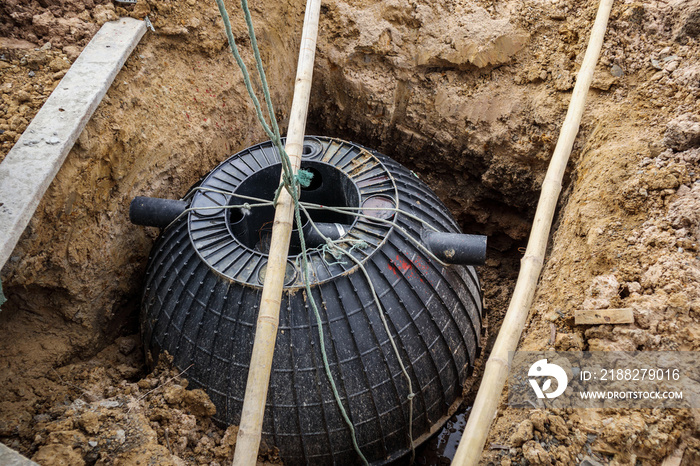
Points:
[(333, 244), (319, 324), (411, 394), (304, 178), (291, 182)]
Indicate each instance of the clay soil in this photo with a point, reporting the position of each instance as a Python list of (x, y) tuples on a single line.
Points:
[(470, 94)]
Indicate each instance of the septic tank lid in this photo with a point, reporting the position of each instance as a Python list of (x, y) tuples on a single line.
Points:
[(230, 231)]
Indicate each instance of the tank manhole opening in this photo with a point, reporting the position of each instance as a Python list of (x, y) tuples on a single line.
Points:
[(329, 187)]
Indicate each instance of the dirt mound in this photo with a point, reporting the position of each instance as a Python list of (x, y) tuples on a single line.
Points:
[(120, 416)]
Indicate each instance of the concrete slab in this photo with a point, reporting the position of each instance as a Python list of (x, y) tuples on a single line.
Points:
[(36, 157), (9, 457)]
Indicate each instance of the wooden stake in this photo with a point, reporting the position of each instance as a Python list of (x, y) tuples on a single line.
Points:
[(496, 370), (250, 429)]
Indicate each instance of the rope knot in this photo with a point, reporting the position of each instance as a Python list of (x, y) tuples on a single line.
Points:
[(304, 178)]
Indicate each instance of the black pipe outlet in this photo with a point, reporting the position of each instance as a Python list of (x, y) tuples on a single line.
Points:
[(314, 237), (456, 248), (155, 212)]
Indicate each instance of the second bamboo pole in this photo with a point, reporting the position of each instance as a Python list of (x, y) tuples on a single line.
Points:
[(496, 371), (250, 429)]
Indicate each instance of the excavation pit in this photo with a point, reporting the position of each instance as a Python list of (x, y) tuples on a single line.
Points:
[(479, 136)]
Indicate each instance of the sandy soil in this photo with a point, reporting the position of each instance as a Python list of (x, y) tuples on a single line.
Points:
[(468, 94)]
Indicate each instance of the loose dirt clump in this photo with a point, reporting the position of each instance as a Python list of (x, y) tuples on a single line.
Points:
[(111, 414), (470, 94)]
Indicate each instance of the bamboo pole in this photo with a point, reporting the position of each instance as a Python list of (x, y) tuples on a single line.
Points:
[(250, 429), (496, 371)]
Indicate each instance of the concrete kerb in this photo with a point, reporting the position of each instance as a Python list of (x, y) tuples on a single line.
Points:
[(32, 163), (9, 457)]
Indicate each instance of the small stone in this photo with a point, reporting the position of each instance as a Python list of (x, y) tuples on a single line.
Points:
[(109, 403), (602, 289), (683, 132), (126, 345), (104, 13), (536, 454), (199, 403), (42, 418), (46, 46), (23, 96), (569, 341), (539, 418), (588, 461), (72, 52), (89, 421), (173, 394), (634, 287), (557, 426), (59, 64), (92, 443), (59, 75), (31, 74), (522, 434), (617, 71), (603, 81)]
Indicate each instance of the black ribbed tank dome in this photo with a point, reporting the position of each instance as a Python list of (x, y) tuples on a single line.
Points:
[(203, 288)]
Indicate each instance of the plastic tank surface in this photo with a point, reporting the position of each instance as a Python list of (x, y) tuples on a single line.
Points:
[(204, 282)]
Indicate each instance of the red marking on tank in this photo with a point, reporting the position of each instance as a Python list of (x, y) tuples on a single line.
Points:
[(408, 268)]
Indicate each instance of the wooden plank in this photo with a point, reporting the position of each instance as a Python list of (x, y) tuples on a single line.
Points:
[(32, 163), (623, 315)]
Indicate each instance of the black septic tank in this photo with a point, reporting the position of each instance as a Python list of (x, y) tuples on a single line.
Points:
[(204, 281)]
